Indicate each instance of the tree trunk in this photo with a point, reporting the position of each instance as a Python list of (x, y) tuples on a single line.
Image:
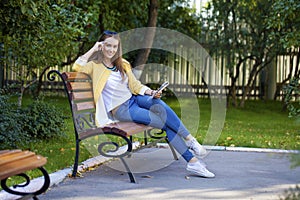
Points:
[(232, 90), (250, 82), (234, 78), (143, 54), (232, 94), (272, 77), (20, 98)]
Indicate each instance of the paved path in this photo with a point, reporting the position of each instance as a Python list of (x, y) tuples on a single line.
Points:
[(239, 175)]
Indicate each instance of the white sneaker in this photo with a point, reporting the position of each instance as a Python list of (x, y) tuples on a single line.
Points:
[(198, 169), (197, 148), (201, 161)]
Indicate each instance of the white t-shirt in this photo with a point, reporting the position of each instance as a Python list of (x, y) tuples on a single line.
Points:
[(115, 91)]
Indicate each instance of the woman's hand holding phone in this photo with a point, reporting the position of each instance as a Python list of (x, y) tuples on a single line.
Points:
[(157, 93)]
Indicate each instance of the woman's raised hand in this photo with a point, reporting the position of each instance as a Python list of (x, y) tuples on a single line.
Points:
[(98, 46)]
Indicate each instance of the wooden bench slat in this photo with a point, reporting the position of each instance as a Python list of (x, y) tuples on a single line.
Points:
[(13, 156), (73, 86), (21, 165), (84, 106), (71, 76), (77, 96), (122, 128), (128, 128), (3, 152)]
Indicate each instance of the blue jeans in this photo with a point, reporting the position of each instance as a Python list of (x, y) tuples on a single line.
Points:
[(156, 113)]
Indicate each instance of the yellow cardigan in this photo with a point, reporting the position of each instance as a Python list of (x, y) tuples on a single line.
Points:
[(99, 74)]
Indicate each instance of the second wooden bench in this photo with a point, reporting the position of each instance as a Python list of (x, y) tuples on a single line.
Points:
[(17, 163)]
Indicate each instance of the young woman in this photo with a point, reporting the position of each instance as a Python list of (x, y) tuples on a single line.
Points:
[(119, 95)]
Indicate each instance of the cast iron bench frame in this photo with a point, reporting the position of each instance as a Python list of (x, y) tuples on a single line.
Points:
[(79, 89), (16, 163)]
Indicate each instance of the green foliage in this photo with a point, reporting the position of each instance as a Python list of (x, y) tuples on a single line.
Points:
[(11, 130), (285, 22), (20, 126), (291, 194), (251, 33), (43, 121), (40, 33), (37, 35), (179, 16), (293, 89)]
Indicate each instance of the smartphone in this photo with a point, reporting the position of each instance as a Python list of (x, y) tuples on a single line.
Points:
[(162, 87)]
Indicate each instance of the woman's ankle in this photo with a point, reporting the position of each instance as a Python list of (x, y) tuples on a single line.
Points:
[(193, 160), (189, 137)]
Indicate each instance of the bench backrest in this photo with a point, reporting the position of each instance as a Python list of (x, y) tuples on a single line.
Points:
[(79, 88)]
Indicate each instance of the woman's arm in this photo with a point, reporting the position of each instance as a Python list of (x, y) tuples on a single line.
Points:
[(97, 47), (135, 86), (81, 64)]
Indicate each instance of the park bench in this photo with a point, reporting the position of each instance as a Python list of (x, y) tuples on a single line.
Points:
[(17, 163), (78, 87)]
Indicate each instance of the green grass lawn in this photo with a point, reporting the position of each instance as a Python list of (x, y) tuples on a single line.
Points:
[(261, 124)]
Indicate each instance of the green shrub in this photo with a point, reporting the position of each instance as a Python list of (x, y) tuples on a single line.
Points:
[(38, 121), (43, 121), (11, 123), (292, 194), (293, 88)]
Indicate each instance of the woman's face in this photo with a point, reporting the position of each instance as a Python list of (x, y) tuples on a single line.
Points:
[(110, 47)]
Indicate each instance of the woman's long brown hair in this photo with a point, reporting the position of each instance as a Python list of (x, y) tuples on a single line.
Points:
[(117, 60)]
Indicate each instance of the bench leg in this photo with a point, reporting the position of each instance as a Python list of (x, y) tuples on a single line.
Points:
[(130, 174), (75, 166), (146, 137), (26, 195), (107, 153)]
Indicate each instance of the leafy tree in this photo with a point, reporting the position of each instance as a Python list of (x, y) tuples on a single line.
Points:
[(180, 16), (285, 23), (38, 34), (285, 20), (239, 30)]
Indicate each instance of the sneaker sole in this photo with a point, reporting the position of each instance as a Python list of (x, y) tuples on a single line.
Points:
[(199, 174)]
